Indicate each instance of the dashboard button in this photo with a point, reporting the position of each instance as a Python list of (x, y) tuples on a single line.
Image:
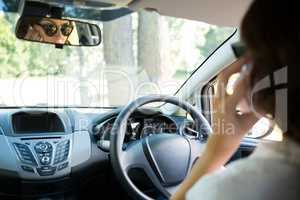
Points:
[(27, 168), (43, 147), (62, 151), (46, 170), (25, 154), (27, 157), (62, 166)]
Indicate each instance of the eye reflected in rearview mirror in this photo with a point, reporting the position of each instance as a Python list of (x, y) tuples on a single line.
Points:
[(58, 31)]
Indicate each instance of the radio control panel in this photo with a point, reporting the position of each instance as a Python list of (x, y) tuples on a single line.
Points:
[(43, 157), (42, 143)]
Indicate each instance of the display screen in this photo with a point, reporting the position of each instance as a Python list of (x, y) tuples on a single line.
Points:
[(36, 123)]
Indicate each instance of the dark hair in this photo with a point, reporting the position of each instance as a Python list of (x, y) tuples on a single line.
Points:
[(24, 24), (271, 31)]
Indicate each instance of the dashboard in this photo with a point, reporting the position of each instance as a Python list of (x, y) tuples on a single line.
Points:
[(50, 151), (138, 127), (43, 144), (37, 144)]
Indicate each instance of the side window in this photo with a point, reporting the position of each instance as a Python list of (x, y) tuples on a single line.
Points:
[(263, 129)]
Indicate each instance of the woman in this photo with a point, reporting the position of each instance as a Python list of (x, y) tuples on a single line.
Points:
[(271, 33), (56, 31)]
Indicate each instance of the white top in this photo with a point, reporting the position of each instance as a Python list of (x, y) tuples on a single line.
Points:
[(271, 172)]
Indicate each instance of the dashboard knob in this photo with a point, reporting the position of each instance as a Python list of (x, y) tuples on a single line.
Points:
[(43, 147), (45, 160)]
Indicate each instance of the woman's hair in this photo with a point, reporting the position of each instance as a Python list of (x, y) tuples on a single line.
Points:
[(24, 25), (270, 29)]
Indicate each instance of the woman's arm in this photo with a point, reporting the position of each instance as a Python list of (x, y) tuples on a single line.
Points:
[(218, 150), (229, 128)]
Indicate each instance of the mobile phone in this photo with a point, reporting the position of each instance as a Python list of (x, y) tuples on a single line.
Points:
[(239, 49)]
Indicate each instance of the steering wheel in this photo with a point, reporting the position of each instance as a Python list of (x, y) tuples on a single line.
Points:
[(165, 158)]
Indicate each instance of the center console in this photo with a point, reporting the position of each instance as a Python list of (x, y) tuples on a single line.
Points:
[(42, 157), (42, 144), (44, 152)]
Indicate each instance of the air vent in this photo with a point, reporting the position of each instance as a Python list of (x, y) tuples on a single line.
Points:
[(40, 138), (1, 131)]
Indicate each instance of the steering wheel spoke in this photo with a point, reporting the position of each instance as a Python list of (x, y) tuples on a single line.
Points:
[(131, 156), (197, 147), (134, 157)]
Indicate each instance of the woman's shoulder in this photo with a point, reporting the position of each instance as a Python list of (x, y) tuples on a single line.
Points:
[(287, 151), (260, 176)]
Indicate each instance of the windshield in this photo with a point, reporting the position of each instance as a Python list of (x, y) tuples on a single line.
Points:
[(141, 53)]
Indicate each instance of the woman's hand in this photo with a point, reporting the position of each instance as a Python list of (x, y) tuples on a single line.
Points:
[(232, 112), (229, 127), (35, 33)]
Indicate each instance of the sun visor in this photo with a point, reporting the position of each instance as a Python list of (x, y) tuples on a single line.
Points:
[(218, 12)]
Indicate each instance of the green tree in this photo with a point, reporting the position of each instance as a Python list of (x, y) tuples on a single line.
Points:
[(18, 57), (12, 60), (213, 38), (119, 59), (149, 44)]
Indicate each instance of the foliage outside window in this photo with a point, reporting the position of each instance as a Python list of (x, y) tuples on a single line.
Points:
[(141, 53)]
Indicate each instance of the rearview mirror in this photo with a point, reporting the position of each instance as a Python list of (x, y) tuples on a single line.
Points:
[(58, 31)]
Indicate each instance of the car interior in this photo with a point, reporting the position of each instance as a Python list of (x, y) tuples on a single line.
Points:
[(114, 99)]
